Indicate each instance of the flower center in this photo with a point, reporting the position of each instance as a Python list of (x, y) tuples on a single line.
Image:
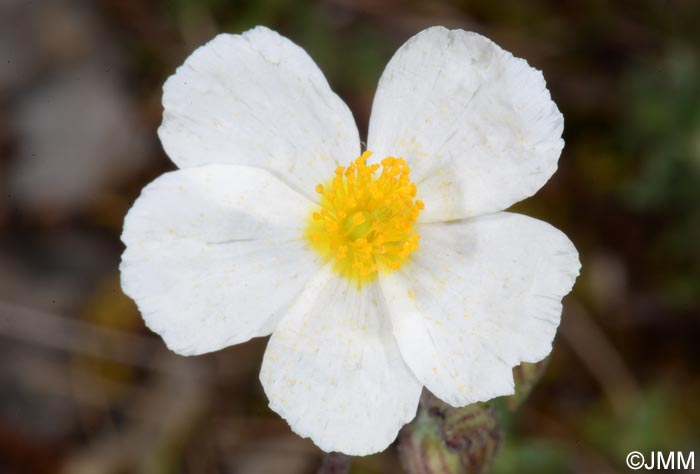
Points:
[(365, 221)]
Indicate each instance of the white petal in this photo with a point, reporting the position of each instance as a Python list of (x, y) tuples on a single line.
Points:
[(476, 125), (333, 371), (479, 297), (214, 255), (257, 99)]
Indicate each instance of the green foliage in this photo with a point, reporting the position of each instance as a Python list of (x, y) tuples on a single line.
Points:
[(533, 456), (661, 133), (652, 424)]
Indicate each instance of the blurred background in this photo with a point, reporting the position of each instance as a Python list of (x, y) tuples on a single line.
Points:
[(85, 388)]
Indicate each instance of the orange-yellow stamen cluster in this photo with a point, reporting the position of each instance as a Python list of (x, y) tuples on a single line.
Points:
[(365, 222)]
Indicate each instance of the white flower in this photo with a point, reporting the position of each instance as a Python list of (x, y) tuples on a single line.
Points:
[(374, 276)]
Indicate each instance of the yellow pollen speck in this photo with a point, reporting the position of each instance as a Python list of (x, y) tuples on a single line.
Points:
[(364, 222)]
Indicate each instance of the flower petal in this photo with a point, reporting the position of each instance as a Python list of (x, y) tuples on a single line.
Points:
[(333, 371), (257, 99), (214, 255), (476, 125), (479, 297)]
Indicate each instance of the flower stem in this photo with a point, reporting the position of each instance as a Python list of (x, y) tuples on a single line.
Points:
[(335, 463)]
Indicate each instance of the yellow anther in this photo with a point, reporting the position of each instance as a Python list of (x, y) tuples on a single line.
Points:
[(342, 251), (365, 223)]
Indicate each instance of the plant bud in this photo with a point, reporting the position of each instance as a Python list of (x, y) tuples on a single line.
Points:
[(447, 440)]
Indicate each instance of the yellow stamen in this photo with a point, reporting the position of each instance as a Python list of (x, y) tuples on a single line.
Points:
[(364, 223)]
